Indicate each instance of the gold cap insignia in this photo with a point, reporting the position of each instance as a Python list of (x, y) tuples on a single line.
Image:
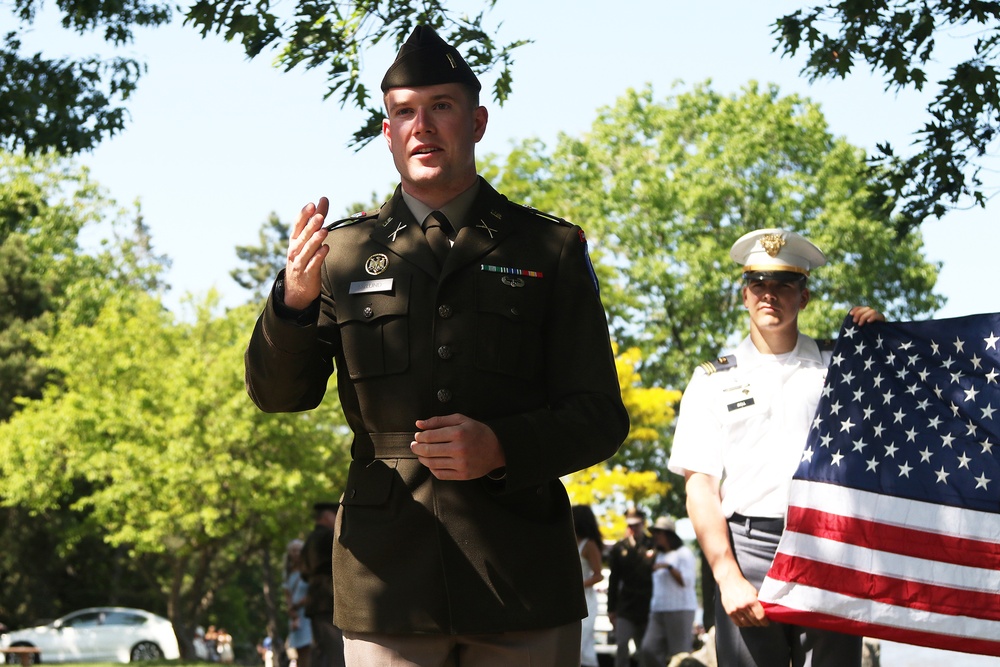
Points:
[(772, 244)]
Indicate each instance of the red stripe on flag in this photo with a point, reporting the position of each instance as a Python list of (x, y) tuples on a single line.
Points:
[(894, 539), (888, 590), (910, 635)]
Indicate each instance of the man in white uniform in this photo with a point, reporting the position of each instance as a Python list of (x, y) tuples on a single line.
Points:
[(742, 427)]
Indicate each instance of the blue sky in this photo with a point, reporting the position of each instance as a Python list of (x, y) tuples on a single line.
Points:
[(216, 142)]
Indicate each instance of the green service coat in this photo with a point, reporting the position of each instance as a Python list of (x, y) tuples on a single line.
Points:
[(510, 332)]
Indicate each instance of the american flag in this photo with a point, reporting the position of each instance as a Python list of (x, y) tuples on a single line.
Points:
[(893, 526)]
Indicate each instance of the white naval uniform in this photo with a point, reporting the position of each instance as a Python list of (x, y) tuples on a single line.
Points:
[(748, 425)]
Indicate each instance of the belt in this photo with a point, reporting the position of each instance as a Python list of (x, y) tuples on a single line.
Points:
[(766, 524), (390, 446)]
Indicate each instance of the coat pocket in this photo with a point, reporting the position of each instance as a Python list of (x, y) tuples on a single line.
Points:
[(374, 330), (369, 482), (509, 316)]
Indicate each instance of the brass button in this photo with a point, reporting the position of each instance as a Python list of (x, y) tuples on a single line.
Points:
[(444, 395), (368, 311), (444, 311), (444, 352)]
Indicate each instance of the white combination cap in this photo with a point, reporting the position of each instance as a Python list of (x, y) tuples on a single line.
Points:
[(776, 250)]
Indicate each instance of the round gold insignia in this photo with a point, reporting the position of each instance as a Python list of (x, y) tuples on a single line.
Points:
[(376, 264)]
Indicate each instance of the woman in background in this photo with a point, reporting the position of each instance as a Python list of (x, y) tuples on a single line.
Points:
[(591, 546), (671, 612), (299, 626)]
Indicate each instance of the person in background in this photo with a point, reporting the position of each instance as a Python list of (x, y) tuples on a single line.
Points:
[(672, 608), (591, 546), (743, 423), (201, 651), (327, 648), (224, 645), (300, 637), (630, 585), (212, 643), (475, 369)]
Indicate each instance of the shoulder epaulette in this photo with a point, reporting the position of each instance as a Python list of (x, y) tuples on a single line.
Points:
[(825, 344), (725, 363), (542, 214), (351, 220)]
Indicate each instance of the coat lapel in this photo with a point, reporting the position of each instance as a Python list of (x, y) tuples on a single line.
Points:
[(484, 230), (401, 234)]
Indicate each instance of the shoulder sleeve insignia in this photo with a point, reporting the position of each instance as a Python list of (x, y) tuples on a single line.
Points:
[(721, 364), (351, 220)]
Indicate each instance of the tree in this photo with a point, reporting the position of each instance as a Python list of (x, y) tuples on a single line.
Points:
[(629, 475), (71, 105), (44, 205), (262, 262), (899, 40), (151, 434), (663, 189), (336, 35)]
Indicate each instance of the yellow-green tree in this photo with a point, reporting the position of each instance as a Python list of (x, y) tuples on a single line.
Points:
[(151, 437), (609, 487)]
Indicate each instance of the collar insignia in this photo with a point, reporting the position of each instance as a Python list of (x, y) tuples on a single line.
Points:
[(482, 225), (399, 227)]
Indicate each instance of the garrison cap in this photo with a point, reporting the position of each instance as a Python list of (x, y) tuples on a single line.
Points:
[(427, 60), (321, 507), (776, 254)]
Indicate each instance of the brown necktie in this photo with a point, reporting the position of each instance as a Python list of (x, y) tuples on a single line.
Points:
[(437, 229)]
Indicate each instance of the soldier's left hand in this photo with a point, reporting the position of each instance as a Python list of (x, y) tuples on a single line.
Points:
[(457, 447)]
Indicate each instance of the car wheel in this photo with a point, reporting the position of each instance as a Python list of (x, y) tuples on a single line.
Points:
[(145, 651), (15, 658)]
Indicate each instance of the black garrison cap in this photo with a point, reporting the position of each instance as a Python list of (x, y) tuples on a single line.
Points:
[(427, 60), (324, 506)]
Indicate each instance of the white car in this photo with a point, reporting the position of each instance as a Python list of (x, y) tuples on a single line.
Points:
[(98, 634)]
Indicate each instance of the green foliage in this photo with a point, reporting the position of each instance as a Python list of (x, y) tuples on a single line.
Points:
[(664, 189), (263, 262), (152, 436), (629, 476), (336, 36), (70, 105), (44, 204), (898, 40), (131, 453)]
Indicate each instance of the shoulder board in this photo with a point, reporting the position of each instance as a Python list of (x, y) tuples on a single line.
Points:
[(351, 220), (825, 344), (542, 214), (725, 363)]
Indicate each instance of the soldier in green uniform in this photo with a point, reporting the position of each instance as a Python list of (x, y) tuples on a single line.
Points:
[(474, 368)]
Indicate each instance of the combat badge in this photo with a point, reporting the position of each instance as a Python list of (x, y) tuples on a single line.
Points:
[(376, 264)]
